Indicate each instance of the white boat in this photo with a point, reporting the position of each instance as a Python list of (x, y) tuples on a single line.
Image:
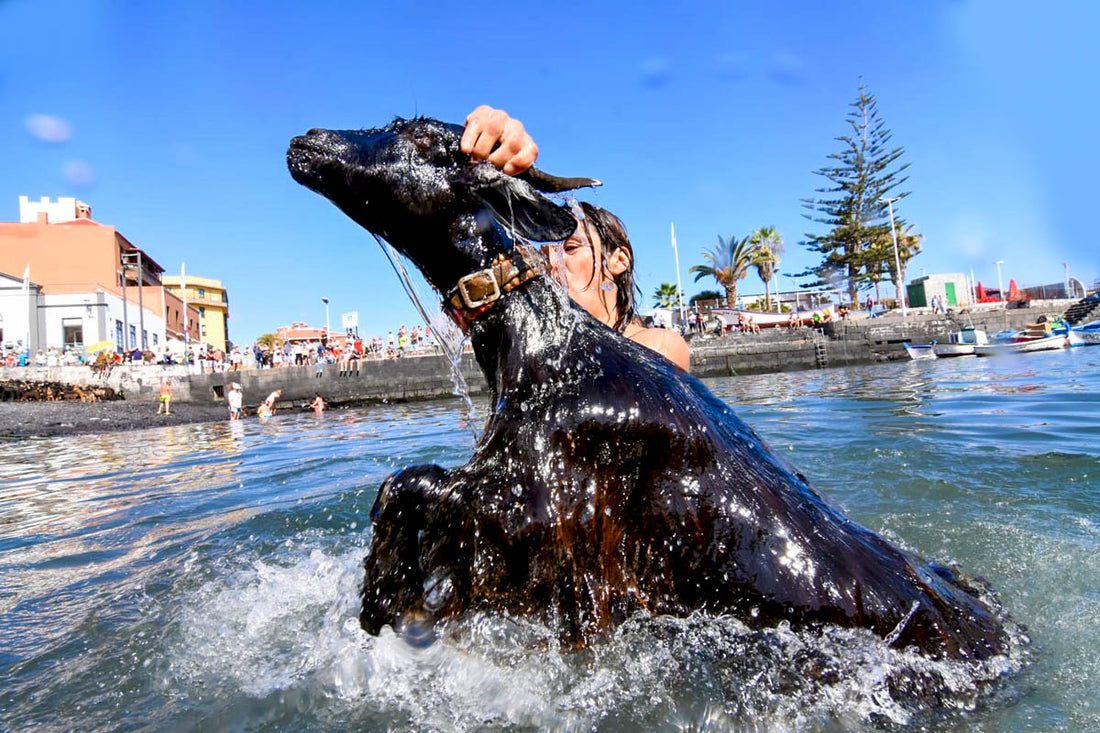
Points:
[(1085, 335), (962, 343), (920, 351), (1022, 346)]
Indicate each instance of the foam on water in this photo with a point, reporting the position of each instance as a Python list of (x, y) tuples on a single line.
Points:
[(287, 626)]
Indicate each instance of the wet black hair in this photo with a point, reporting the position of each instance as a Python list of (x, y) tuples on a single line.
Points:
[(613, 236)]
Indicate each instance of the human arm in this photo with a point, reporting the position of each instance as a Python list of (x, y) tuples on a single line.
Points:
[(491, 134)]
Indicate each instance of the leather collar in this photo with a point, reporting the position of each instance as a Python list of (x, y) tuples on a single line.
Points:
[(477, 293)]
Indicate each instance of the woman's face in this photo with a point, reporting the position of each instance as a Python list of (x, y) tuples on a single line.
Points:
[(577, 264)]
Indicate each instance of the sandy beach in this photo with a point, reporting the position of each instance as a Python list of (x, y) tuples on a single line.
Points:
[(43, 419)]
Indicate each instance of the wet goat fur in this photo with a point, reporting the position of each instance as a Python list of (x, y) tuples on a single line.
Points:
[(607, 480)]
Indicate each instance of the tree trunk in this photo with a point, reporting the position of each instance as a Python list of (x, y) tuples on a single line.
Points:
[(853, 286), (731, 296)]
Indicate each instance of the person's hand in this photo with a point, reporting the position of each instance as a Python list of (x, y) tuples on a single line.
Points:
[(494, 136)]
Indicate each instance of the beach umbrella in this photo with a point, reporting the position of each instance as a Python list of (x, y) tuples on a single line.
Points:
[(100, 346)]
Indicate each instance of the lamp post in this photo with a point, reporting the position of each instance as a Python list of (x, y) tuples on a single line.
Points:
[(325, 301), (1000, 283), (897, 260)]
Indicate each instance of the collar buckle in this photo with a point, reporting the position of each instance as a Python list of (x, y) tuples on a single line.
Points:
[(478, 281)]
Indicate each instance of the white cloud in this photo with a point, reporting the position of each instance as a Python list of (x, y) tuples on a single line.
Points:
[(79, 173), (49, 129)]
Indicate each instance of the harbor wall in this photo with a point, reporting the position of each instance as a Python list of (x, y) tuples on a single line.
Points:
[(376, 380), (840, 343)]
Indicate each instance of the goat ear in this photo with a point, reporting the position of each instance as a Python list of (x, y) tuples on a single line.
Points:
[(518, 207)]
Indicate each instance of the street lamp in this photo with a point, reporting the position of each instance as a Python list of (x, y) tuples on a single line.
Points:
[(325, 301), (1000, 283), (897, 260)]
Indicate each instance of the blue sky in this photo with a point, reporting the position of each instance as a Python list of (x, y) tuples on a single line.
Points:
[(172, 120)]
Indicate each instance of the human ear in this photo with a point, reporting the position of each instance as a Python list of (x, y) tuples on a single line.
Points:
[(619, 261)]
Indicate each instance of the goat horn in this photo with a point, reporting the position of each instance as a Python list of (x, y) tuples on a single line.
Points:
[(547, 183)]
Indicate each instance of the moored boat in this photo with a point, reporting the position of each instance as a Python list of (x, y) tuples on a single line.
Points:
[(1021, 345), (920, 351), (962, 343), (1087, 334)]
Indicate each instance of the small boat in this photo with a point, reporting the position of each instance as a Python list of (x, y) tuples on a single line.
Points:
[(920, 351), (1020, 345), (962, 343), (1087, 334)]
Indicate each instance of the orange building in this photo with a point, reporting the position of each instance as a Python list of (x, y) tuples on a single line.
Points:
[(301, 333), (94, 284)]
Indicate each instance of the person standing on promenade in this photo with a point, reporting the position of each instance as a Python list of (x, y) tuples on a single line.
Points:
[(235, 398), (596, 263), (165, 398)]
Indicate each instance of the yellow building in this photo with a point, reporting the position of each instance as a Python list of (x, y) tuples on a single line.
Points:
[(210, 297)]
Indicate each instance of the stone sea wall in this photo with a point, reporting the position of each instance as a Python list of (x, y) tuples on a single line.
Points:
[(424, 377)]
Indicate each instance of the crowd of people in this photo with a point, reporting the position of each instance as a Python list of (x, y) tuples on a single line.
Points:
[(344, 352)]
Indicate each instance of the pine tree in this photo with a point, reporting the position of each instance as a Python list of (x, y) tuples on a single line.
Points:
[(861, 175)]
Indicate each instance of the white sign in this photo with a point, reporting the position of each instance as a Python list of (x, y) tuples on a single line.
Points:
[(349, 321)]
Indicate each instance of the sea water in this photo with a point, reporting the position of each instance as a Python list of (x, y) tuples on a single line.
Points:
[(205, 576)]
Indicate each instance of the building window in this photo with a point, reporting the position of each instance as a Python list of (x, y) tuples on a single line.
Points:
[(118, 335), (73, 332), (202, 292), (144, 340), (154, 339), (133, 336), (202, 310)]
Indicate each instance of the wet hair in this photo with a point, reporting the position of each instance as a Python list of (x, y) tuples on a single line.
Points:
[(613, 235)]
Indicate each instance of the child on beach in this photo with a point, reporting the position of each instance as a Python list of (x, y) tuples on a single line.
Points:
[(318, 404), (165, 398), (235, 397)]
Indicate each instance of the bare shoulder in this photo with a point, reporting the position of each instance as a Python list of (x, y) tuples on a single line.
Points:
[(668, 344)]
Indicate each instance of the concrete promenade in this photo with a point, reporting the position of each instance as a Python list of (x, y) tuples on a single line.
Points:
[(840, 343)]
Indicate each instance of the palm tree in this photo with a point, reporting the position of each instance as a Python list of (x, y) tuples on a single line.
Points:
[(269, 341), (729, 262), (881, 256), (666, 295), (908, 248), (769, 246)]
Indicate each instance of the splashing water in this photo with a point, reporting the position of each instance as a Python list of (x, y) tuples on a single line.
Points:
[(449, 337), (286, 628)]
